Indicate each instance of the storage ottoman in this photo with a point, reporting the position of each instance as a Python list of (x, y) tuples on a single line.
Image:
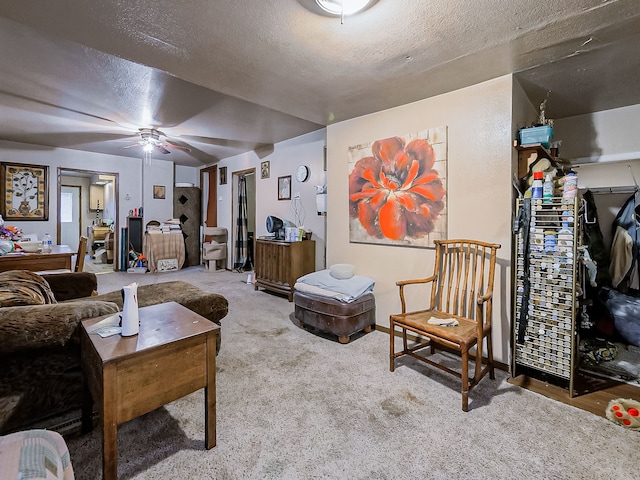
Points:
[(331, 316)]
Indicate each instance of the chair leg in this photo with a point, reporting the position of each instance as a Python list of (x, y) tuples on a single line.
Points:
[(492, 374), (405, 344), (478, 366), (392, 331), (465, 380)]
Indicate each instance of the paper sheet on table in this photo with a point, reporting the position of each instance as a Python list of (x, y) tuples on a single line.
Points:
[(111, 321)]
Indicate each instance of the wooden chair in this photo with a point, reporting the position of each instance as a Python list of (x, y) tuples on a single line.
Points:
[(462, 291), (82, 252)]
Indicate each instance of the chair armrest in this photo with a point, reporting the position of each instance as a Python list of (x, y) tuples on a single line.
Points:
[(483, 319), (36, 326), (483, 298), (403, 283)]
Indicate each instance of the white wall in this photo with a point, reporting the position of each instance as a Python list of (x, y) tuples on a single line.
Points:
[(109, 212), (160, 172), (480, 157), (606, 147), (184, 174), (286, 156), (609, 135), (130, 170)]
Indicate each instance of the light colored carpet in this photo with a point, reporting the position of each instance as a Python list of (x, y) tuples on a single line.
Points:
[(96, 265), (296, 405)]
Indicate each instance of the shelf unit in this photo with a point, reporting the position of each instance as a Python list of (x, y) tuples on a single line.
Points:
[(135, 230), (545, 311)]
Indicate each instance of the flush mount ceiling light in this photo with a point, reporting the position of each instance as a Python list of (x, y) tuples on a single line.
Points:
[(342, 7)]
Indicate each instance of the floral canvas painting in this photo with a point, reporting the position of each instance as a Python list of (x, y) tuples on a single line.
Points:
[(398, 190)]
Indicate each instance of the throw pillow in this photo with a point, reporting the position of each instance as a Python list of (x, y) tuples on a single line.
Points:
[(21, 287)]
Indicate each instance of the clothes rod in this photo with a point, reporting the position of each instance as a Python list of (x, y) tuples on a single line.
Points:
[(609, 190)]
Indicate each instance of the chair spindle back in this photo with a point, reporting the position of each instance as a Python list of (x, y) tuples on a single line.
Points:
[(465, 271)]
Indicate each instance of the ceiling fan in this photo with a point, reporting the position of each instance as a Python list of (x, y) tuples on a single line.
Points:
[(150, 140)]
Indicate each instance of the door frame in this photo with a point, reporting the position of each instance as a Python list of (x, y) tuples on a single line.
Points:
[(116, 193), (234, 206), (209, 204)]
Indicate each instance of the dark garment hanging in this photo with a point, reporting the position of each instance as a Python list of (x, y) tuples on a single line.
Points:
[(592, 237), (523, 221), (625, 249)]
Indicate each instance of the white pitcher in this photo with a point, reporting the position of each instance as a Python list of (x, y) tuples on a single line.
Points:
[(130, 319)]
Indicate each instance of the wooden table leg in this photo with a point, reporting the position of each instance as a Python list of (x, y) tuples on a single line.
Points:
[(109, 424), (210, 393)]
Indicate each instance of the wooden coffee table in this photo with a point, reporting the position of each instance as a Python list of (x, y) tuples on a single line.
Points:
[(173, 355)]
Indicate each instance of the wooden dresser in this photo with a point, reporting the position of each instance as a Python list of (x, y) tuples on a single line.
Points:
[(278, 264)]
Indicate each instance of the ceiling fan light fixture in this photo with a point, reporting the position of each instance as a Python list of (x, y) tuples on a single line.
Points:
[(147, 147), (342, 7)]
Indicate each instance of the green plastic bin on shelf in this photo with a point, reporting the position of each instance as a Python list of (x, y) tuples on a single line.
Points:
[(534, 135)]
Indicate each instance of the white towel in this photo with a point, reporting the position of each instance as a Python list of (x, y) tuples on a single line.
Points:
[(443, 322)]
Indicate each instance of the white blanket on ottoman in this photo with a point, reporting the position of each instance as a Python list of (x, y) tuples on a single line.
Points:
[(344, 290)]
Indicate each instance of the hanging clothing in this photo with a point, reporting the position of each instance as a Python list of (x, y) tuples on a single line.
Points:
[(242, 229), (523, 221), (625, 248), (592, 235)]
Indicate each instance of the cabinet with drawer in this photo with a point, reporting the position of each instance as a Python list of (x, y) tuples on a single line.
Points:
[(278, 264)]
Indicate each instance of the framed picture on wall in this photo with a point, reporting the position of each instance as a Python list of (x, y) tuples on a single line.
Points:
[(284, 188), (159, 192), (264, 169), (223, 175), (416, 214), (24, 190)]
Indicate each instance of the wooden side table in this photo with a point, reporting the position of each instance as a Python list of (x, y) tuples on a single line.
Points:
[(173, 355), (58, 259)]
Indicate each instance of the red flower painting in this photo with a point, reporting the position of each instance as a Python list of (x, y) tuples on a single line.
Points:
[(395, 193)]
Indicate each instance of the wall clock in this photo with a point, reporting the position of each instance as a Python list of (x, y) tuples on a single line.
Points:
[(302, 173)]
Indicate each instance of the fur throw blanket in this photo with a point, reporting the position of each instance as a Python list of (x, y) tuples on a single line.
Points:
[(21, 287), (30, 317)]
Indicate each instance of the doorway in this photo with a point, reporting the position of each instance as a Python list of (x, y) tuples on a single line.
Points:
[(74, 199), (243, 261), (209, 188)]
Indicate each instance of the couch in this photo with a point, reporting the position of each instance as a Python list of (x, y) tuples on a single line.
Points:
[(40, 374)]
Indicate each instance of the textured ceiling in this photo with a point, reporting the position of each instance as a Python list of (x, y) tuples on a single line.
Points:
[(228, 76)]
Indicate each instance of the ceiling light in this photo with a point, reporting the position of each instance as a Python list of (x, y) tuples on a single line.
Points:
[(342, 7), (147, 147)]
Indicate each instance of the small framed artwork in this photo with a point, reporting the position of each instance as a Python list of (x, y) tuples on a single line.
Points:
[(284, 188), (265, 169), (24, 190), (223, 175), (159, 192)]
